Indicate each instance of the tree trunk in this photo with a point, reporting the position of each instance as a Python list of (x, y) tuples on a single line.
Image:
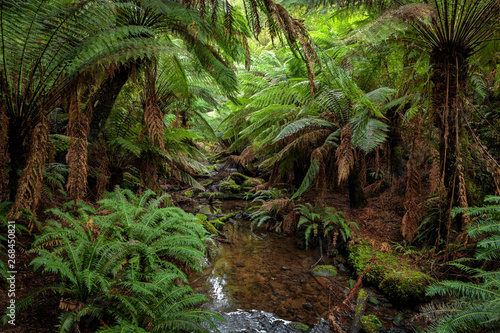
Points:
[(395, 140), (357, 198), (18, 131), (449, 77), (105, 99)]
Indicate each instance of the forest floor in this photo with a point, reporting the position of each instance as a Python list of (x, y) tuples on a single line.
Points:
[(40, 316), (379, 221)]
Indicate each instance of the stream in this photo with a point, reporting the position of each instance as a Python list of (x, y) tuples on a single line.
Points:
[(260, 282)]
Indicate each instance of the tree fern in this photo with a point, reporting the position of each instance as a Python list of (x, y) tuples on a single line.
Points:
[(472, 305)]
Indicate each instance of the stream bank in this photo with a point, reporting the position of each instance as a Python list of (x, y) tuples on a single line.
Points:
[(261, 282)]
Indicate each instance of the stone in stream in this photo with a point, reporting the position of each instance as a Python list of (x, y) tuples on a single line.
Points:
[(255, 321), (324, 270)]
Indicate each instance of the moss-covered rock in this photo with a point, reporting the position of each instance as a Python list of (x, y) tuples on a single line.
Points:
[(229, 186), (221, 195), (300, 327), (189, 194), (324, 270), (371, 324), (210, 226), (391, 272)]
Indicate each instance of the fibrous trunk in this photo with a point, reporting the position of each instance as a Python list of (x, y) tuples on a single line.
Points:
[(449, 77)]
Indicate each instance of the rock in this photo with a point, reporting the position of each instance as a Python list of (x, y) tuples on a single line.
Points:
[(285, 268), (324, 270), (344, 269), (307, 306), (393, 273)]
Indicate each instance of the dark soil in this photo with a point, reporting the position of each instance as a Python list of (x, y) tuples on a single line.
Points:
[(41, 315)]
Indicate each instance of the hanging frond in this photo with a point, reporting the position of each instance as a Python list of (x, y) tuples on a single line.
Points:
[(78, 129), (345, 154), (153, 116), (30, 183)]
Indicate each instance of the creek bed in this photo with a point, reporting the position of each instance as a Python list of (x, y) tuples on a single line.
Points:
[(267, 276)]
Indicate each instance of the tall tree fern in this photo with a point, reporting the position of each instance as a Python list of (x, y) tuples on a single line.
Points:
[(472, 305)]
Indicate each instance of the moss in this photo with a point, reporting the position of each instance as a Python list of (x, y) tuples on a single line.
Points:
[(391, 272), (300, 327), (248, 184), (203, 220), (405, 286), (324, 270), (371, 324), (229, 187), (189, 194), (221, 195), (226, 217)]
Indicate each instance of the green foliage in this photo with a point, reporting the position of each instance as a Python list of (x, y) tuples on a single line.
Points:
[(472, 305), (272, 200), (55, 175), (312, 218), (121, 265)]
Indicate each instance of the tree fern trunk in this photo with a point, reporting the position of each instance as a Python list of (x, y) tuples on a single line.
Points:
[(18, 131), (105, 99), (357, 198), (395, 140), (449, 78)]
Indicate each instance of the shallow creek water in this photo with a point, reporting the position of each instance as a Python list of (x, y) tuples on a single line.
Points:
[(260, 281)]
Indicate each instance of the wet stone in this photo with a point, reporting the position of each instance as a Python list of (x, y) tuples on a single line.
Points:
[(307, 306)]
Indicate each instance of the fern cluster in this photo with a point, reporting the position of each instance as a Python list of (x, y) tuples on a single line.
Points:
[(473, 306), (326, 218), (124, 264)]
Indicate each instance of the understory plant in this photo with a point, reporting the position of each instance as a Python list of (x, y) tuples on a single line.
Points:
[(122, 268), (472, 306), (274, 205), (327, 218)]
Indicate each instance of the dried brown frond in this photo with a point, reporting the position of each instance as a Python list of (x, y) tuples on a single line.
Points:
[(78, 130), (345, 154), (278, 206), (258, 188), (4, 130), (413, 194), (295, 33), (375, 187), (462, 193), (153, 116), (300, 141), (30, 183), (67, 304), (95, 230), (435, 180), (246, 157), (321, 183), (290, 221), (415, 12)]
